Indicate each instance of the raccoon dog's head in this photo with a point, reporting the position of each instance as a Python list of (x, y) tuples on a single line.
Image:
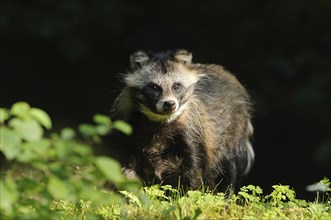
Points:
[(161, 84)]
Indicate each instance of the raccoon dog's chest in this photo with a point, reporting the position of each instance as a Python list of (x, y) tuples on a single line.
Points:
[(159, 154)]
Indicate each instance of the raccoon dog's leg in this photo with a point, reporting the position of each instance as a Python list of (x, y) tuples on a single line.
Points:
[(187, 168), (195, 165)]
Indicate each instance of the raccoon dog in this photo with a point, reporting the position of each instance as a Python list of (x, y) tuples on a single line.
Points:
[(191, 123)]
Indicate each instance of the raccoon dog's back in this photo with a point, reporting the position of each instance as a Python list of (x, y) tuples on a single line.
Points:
[(190, 122)]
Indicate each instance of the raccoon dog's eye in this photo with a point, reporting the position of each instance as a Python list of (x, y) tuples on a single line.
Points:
[(176, 86), (152, 87)]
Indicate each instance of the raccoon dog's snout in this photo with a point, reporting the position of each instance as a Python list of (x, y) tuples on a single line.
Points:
[(167, 106)]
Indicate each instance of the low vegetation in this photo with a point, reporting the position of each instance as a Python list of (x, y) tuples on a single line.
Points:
[(56, 176)]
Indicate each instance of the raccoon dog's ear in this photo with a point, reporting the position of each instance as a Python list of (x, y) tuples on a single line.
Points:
[(183, 56), (138, 59)]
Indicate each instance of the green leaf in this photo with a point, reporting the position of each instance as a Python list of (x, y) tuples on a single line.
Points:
[(40, 147), (63, 149), (4, 115), (21, 110), (82, 150), (9, 194), (87, 130), (40, 165), (133, 199), (102, 129), (29, 184), (34, 150), (68, 134), (27, 156), (131, 185), (123, 127), (110, 168), (56, 168), (57, 188), (10, 143), (91, 194), (102, 119), (42, 117), (29, 130)]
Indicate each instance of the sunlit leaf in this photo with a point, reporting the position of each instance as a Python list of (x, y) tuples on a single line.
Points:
[(87, 130), (6, 200), (34, 150), (27, 156), (110, 168), (21, 110), (29, 130), (10, 143), (41, 147), (57, 188), (62, 149), (9, 194), (39, 165), (93, 194), (42, 117), (4, 115), (82, 149), (133, 199), (123, 127), (131, 185), (68, 133), (102, 119), (102, 129)]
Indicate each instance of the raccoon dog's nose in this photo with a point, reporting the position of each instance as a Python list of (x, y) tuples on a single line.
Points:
[(169, 105)]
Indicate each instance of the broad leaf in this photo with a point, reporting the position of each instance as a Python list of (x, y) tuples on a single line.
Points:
[(123, 127), (68, 134), (102, 119), (34, 150), (42, 117), (110, 168), (57, 188), (87, 130), (9, 194), (4, 115), (21, 110), (10, 143), (102, 129), (29, 130)]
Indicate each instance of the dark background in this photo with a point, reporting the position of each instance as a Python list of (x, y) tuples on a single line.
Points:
[(64, 57)]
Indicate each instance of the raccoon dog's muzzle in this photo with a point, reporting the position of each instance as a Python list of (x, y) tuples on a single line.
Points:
[(166, 110), (167, 105)]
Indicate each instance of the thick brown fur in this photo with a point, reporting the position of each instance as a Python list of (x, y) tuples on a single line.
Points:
[(202, 140)]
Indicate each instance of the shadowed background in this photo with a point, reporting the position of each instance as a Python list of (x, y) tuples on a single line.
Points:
[(65, 56)]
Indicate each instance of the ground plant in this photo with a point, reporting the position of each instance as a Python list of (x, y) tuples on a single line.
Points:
[(56, 175)]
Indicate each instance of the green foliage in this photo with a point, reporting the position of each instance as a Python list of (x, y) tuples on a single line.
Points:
[(93, 133), (250, 194), (280, 194), (58, 177), (45, 170), (105, 164), (165, 202)]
